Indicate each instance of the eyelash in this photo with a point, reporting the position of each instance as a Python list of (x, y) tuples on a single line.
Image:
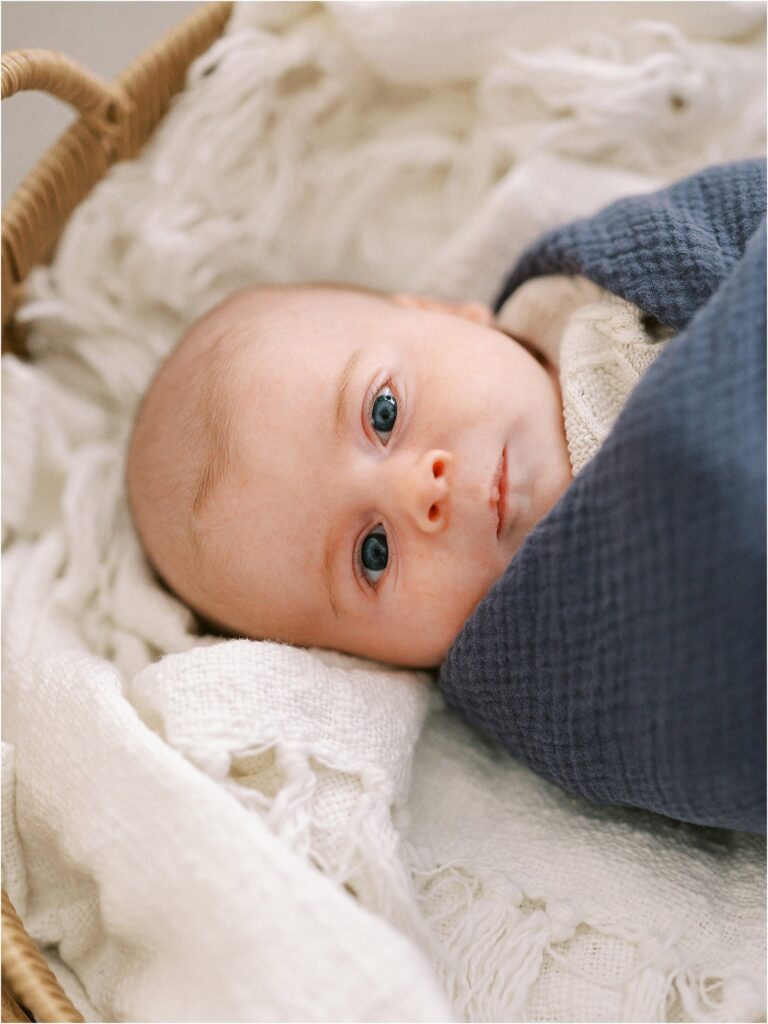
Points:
[(370, 398)]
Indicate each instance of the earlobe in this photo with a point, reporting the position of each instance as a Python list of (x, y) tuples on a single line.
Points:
[(477, 312)]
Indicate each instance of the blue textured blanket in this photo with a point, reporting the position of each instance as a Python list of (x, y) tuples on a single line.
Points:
[(622, 653)]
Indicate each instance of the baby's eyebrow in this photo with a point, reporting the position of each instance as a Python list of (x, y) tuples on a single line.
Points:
[(217, 417), (328, 577), (342, 389)]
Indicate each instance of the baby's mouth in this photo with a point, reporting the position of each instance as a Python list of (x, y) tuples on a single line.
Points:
[(498, 499)]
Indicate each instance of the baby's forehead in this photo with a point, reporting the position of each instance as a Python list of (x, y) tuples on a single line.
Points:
[(274, 322), (252, 336), (299, 301)]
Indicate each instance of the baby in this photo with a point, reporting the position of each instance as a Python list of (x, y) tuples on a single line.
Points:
[(333, 467)]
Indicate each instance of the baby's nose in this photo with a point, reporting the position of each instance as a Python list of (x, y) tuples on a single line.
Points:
[(424, 489)]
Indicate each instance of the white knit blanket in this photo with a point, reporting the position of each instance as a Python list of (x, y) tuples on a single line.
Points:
[(241, 831)]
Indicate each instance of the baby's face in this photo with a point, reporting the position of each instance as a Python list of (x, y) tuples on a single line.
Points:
[(358, 510)]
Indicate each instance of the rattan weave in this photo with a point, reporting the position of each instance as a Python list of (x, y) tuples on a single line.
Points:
[(116, 120)]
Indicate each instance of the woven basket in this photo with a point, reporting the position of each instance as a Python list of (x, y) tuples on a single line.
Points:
[(116, 120)]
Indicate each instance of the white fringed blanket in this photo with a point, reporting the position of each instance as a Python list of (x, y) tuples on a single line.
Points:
[(244, 831)]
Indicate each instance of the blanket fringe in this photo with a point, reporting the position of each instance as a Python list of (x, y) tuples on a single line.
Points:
[(494, 950), (495, 941), (301, 799), (488, 940)]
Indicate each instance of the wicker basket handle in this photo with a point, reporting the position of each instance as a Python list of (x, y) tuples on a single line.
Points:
[(54, 73), (116, 120), (30, 977)]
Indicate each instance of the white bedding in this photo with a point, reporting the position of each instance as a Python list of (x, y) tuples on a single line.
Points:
[(234, 830)]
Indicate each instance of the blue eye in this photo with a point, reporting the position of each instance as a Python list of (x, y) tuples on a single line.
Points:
[(374, 554), (383, 413)]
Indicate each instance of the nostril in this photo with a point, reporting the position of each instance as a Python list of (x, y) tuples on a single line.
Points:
[(433, 513), (438, 468)]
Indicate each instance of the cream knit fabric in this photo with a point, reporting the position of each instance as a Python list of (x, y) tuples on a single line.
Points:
[(601, 345)]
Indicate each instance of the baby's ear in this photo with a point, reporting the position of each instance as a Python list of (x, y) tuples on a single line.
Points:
[(477, 312)]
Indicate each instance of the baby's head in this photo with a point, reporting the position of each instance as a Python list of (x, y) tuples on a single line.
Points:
[(318, 465)]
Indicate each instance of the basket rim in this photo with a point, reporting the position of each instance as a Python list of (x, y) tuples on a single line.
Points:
[(120, 117), (27, 978)]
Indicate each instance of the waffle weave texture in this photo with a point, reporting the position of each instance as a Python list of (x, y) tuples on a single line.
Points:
[(622, 653)]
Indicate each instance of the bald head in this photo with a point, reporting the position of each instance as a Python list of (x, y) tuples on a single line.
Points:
[(184, 443), (185, 438)]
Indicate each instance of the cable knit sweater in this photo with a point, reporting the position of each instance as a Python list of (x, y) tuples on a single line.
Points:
[(601, 344)]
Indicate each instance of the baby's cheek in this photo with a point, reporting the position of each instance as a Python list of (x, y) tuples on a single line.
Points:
[(444, 614)]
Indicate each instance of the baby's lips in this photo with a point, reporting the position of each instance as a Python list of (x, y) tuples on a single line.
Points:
[(495, 495)]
